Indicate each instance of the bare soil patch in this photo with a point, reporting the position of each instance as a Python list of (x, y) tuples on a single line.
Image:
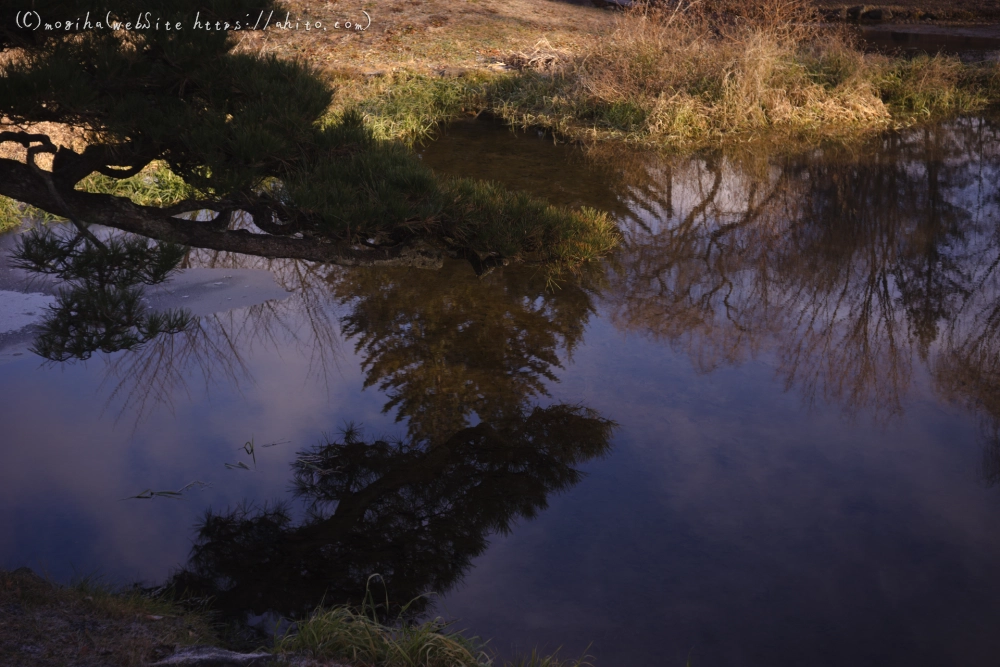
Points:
[(429, 35)]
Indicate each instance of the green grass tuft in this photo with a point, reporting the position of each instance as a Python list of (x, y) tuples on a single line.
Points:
[(355, 635), (13, 214), (408, 105), (488, 218), (156, 185)]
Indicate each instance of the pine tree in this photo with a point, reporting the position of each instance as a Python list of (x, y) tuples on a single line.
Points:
[(239, 133)]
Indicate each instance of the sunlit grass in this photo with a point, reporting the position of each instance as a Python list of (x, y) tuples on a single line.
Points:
[(156, 185), (13, 214), (489, 218), (711, 73)]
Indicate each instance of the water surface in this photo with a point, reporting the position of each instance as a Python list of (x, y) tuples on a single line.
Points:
[(765, 432)]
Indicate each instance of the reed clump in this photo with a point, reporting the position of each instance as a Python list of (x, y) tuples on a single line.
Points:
[(699, 71), (693, 73)]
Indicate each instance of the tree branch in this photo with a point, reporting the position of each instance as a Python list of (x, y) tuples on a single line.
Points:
[(18, 182), (48, 147)]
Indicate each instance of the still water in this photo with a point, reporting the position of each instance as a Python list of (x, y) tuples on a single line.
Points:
[(765, 432)]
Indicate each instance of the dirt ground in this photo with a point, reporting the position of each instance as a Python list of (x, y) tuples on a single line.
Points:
[(445, 35), (43, 625), (428, 34)]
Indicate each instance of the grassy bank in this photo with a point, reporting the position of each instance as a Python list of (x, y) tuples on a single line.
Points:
[(90, 624), (708, 73), (700, 74), (11, 214)]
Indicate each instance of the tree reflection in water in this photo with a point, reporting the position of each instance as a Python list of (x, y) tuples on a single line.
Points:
[(415, 512), (850, 264), (99, 305), (461, 360), (445, 347), (854, 266), (215, 347)]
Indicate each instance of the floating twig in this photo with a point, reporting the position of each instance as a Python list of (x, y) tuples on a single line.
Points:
[(149, 493)]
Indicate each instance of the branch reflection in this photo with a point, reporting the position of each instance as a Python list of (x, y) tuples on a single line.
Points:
[(215, 348), (853, 265)]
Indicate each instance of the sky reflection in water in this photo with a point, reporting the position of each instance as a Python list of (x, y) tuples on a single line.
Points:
[(800, 354)]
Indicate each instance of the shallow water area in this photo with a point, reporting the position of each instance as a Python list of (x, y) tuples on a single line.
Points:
[(799, 354)]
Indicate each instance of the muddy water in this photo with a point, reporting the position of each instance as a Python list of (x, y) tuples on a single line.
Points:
[(766, 432)]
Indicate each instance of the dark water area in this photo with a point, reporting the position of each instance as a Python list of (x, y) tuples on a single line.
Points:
[(969, 42), (765, 432)]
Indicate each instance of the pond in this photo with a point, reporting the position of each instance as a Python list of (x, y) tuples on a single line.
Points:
[(765, 432)]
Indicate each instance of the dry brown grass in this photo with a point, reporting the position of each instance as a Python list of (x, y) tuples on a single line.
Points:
[(705, 69), (429, 35), (61, 135), (702, 72), (676, 76)]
